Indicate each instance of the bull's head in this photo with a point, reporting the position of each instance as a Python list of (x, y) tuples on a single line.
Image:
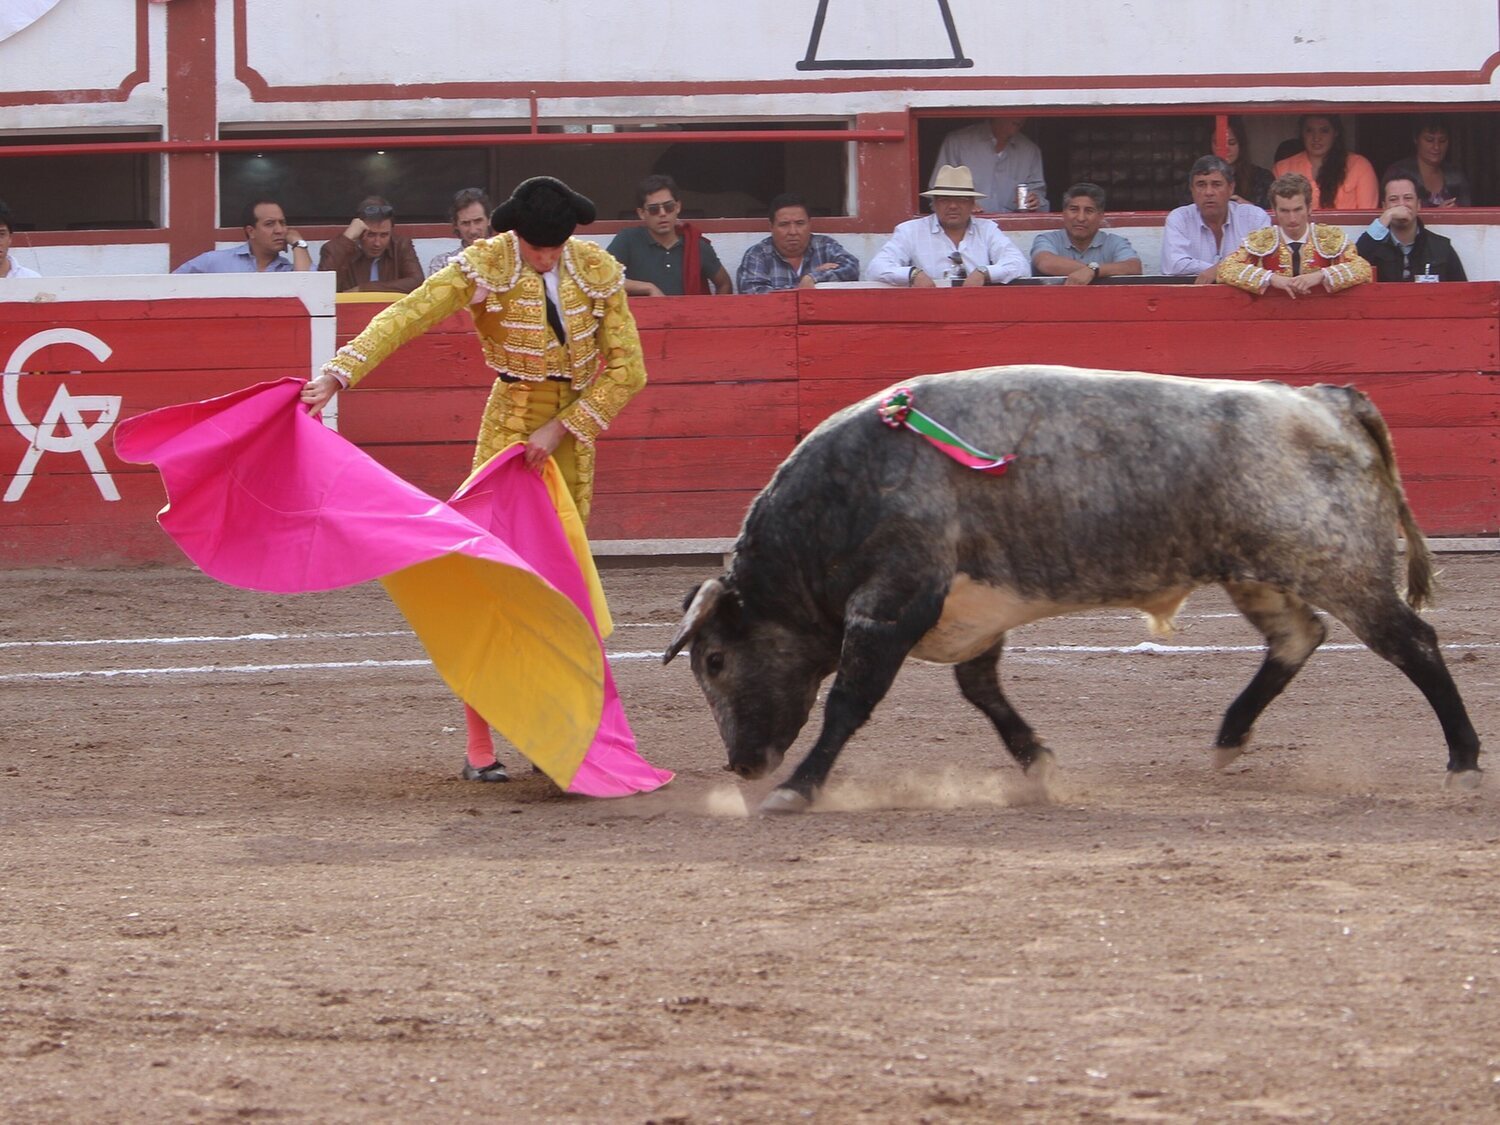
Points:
[(760, 677)]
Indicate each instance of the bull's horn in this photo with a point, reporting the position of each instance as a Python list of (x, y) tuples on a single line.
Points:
[(699, 610)]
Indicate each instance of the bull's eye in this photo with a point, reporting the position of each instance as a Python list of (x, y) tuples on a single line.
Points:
[(714, 663)]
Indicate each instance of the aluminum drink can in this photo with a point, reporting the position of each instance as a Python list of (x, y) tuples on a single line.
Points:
[(1020, 197)]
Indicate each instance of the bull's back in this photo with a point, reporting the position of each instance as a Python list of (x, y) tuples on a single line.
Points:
[(1123, 483)]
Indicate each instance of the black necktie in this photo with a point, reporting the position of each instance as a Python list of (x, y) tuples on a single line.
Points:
[(555, 320), (1296, 258)]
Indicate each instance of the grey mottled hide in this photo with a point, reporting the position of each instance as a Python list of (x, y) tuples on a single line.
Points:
[(1128, 490)]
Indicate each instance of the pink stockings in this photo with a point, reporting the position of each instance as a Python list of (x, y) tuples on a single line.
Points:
[(481, 750)]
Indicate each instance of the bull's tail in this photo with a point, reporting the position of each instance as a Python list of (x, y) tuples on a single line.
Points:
[(1419, 564)]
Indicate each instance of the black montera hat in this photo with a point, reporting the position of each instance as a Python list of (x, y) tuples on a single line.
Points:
[(543, 211)]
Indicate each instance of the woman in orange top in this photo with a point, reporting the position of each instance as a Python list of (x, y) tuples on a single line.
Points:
[(1342, 180)]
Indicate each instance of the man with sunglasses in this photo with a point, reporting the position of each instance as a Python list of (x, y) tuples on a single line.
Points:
[(664, 257), (369, 257)]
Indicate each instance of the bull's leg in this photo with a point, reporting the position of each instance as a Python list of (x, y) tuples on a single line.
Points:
[(878, 635), (979, 680), (1396, 632), (1292, 631)]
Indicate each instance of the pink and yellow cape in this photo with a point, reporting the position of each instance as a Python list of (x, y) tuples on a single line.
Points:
[(497, 583)]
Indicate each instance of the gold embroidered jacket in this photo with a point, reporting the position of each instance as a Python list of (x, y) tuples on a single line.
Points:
[(601, 359), (1265, 253)]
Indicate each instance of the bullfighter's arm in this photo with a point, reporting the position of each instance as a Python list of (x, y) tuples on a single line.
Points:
[(623, 374), (1348, 269), (1240, 270), (440, 296)]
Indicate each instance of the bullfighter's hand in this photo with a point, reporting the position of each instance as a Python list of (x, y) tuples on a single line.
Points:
[(1285, 284), (1307, 282), (318, 392), (542, 443)]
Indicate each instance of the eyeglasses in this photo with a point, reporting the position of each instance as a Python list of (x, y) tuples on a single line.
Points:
[(668, 208), (377, 211)]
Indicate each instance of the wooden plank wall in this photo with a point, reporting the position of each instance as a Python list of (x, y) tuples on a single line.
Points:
[(736, 382), (160, 352)]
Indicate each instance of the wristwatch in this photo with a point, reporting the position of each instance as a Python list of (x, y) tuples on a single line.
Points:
[(300, 245), (1095, 267)]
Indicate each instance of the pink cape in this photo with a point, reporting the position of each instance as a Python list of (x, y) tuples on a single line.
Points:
[(261, 495)]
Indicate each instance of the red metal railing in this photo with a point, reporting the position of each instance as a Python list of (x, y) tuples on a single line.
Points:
[(456, 140)]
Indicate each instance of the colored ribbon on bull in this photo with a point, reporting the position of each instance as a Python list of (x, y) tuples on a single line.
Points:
[(896, 410), (498, 584)]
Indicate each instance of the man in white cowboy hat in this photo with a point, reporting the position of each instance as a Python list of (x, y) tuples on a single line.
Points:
[(951, 246)]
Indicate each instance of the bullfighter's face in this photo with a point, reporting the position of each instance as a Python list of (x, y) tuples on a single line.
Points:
[(1292, 216)]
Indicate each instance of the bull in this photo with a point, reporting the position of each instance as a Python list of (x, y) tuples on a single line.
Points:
[(1127, 490)]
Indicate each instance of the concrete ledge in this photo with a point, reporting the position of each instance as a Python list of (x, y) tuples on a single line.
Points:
[(645, 548), (1486, 545), (653, 548)]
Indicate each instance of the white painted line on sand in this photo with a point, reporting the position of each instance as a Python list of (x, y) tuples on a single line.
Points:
[(226, 639), (1145, 648)]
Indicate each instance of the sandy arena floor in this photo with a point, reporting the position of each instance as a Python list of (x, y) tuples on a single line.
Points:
[(250, 890)]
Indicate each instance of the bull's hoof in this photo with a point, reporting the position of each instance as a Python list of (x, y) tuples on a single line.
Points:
[(1043, 766), (784, 802), (1464, 779), (1226, 756)]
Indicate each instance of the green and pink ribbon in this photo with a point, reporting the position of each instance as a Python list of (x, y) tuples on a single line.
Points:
[(896, 410)]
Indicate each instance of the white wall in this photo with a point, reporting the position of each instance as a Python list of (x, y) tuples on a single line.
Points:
[(85, 45), (347, 43)]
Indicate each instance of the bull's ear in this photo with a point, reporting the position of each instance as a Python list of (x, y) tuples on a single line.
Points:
[(699, 609)]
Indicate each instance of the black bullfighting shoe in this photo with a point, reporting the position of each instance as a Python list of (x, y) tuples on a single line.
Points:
[(492, 772)]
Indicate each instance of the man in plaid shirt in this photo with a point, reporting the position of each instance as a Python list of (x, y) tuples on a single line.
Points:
[(793, 257)]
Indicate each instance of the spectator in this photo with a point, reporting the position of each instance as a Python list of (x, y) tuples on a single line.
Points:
[(1438, 183), (469, 214), (1195, 238), (1398, 244), (952, 246), (1341, 180), (1295, 255), (369, 257), (793, 257), (663, 257), (9, 267), (1081, 250), (1002, 159), (1252, 182), (267, 238)]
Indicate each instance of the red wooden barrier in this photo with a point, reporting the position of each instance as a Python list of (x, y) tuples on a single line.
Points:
[(734, 383), (81, 354)]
